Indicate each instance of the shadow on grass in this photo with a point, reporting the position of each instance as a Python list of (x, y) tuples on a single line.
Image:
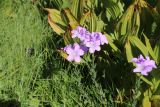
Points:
[(10, 103)]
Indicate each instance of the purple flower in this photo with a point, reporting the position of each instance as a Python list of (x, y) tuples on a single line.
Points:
[(83, 47), (144, 66), (74, 52), (93, 46), (89, 41), (67, 47), (103, 39), (80, 33), (94, 42)]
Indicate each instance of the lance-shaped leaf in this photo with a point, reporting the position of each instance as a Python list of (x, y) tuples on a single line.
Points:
[(92, 21), (146, 102), (110, 41), (77, 8), (55, 21), (150, 50), (67, 38), (84, 18), (128, 51), (135, 22), (130, 21), (157, 50), (71, 19), (124, 24), (58, 3), (114, 9), (138, 43)]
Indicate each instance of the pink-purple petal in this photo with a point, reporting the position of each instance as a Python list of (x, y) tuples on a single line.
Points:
[(144, 66), (77, 59)]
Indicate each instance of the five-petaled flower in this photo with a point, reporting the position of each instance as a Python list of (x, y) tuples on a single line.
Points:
[(89, 42), (74, 52), (144, 66)]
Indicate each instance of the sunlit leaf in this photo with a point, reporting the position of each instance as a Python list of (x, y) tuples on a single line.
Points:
[(58, 3), (122, 25), (55, 21), (139, 44), (128, 51), (110, 41), (77, 8), (150, 50), (71, 19), (114, 9), (157, 51), (146, 102)]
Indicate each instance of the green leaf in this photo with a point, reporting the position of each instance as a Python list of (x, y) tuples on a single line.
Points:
[(71, 19), (128, 51), (157, 51), (66, 4), (138, 43), (92, 21), (55, 16), (62, 53), (58, 3), (146, 102), (34, 102), (150, 50), (55, 27), (55, 21), (114, 9), (145, 80), (110, 41), (84, 18), (155, 97), (67, 38), (100, 25), (77, 8), (124, 25), (156, 83)]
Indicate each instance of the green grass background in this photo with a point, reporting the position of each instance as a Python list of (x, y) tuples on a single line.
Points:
[(32, 74)]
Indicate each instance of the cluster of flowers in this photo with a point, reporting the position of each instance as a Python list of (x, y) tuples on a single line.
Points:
[(89, 42), (144, 66)]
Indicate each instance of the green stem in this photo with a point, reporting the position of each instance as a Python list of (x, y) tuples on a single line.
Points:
[(145, 79)]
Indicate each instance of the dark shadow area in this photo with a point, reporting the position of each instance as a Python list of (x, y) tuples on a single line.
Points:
[(52, 58), (86, 77), (10, 103)]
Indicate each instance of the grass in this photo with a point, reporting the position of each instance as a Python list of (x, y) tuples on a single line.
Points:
[(32, 74)]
